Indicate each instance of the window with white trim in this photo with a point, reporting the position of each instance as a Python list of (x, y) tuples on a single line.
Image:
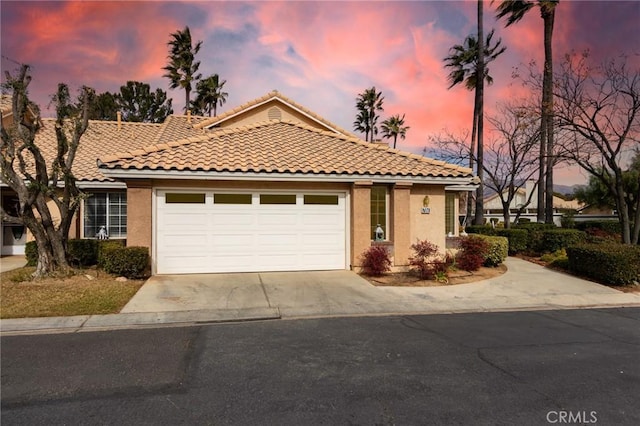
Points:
[(379, 212), (108, 209)]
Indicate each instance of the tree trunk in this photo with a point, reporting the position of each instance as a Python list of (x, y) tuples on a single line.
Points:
[(472, 148), (506, 215), (548, 14), (479, 215)]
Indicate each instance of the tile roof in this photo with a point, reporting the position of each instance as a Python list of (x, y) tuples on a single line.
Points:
[(263, 99), (100, 137), (280, 147), (177, 127)]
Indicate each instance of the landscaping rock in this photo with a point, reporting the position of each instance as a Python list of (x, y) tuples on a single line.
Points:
[(121, 279)]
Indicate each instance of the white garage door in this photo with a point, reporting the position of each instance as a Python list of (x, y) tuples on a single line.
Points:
[(215, 231)]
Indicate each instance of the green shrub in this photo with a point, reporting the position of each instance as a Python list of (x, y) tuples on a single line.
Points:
[(557, 239), (480, 229), (376, 261), (613, 264), (497, 251), (473, 252), (534, 234), (550, 257), (611, 227), (130, 262), (31, 253), (105, 246), (517, 239), (567, 220), (82, 252)]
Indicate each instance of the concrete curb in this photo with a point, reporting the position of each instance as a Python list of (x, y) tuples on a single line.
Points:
[(87, 323), (132, 320)]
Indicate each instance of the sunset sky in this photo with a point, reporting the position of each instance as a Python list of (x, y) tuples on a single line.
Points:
[(319, 53)]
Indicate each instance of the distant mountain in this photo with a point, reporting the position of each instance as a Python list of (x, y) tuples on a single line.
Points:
[(565, 189)]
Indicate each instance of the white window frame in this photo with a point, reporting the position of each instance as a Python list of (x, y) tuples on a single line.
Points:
[(83, 210), (387, 200)]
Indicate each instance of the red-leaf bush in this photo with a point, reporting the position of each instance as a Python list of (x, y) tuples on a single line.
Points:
[(376, 261), (473, 253), (423, 259)]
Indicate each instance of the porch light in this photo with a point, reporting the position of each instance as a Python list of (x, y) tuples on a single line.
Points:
[(379, 233)]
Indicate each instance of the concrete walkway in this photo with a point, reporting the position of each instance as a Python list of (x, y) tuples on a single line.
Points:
[(9, 263), (195, 299)]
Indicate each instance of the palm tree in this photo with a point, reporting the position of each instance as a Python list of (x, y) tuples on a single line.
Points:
[(210, 95), (368, 103), (393, 127), (182, 68), (465, 61), (514, 11)]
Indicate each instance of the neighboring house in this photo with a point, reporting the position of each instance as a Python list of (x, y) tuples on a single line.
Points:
[(267, 186), (493, 205)]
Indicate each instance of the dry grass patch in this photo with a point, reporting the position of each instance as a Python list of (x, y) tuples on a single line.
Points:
[(23, 297), (408, 279)]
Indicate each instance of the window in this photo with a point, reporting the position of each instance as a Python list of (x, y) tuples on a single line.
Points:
[(232, 198), (277, 198), (379, 210), (183, 198), (450, 213), (321, 199), (108, 209)]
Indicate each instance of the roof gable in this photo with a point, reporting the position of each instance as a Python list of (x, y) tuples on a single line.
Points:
[(272, 106)]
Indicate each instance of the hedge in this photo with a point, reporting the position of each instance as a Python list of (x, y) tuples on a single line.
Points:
[(534, 234), (517, 239), (31, 253), (498, 249), (612, 264), (130, 262), (611, 227), (557, 239), (80, 252), (480, 229)]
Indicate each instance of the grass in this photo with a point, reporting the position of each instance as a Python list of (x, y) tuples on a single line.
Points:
[(22, 297)]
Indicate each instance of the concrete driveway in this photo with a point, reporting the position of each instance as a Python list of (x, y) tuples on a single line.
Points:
[(312, 293), (327, 293)]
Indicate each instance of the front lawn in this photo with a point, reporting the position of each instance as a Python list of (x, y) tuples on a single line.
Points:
[(74, 295)]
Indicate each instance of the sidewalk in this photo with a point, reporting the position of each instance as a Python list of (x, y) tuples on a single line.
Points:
[(525, 286)]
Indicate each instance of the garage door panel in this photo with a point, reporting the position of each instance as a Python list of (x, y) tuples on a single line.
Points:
[(183, 219), (233, 218), (277, 219), (249, 237), (323, 219)]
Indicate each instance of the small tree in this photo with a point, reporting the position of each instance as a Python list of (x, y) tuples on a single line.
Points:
[(37, 179), (139, 104)]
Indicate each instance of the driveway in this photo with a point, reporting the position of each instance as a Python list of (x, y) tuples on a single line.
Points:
[(329, 293)]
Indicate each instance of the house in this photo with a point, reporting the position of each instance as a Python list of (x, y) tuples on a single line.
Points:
[(267, 186), (493, 205)]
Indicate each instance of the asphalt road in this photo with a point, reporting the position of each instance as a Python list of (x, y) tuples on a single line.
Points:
[(518, 368)]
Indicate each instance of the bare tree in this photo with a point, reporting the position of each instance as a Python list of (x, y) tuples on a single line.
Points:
[(510, 158), (38, 179), (600, 106)]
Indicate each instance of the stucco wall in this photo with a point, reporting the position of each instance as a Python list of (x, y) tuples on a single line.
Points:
[(261, 113), (428, 226), (139, 213), (360, 220), (401, 223)]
